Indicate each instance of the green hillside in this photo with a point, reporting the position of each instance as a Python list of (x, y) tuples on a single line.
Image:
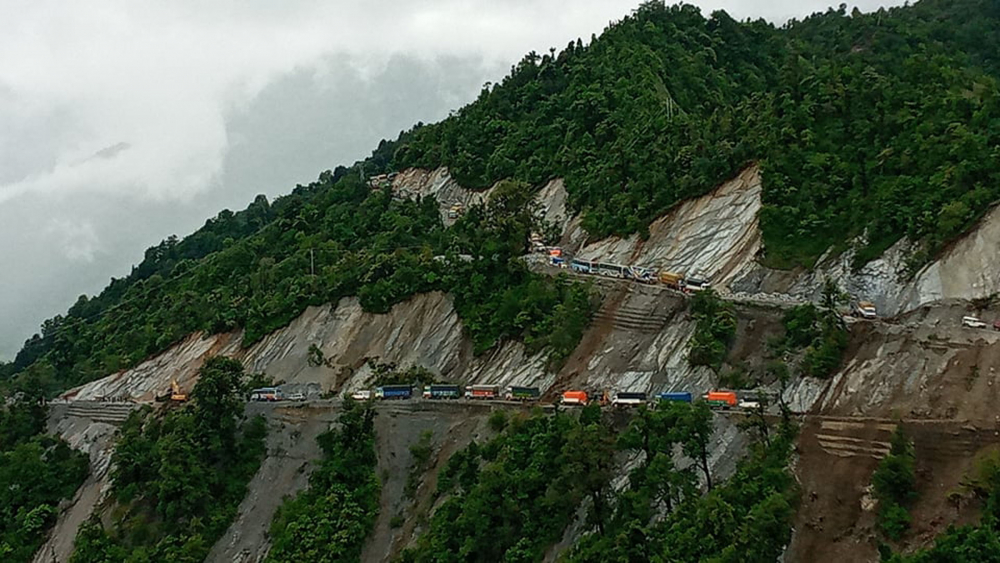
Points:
[(884, 123)]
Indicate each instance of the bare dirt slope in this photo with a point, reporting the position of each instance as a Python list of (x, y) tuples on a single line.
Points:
[(96, 439), (713, 236), (836, 519), (291, 451)]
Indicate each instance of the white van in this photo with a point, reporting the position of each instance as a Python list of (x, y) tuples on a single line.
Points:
[(362, 395), (973, 322)]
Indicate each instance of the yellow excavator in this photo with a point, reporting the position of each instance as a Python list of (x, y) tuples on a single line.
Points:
[(176, 395), (173, 394)]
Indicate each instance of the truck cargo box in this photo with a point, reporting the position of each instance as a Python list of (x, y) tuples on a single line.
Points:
[(672, 280), (482, 392), (522, 393), (442, 392), (682, 397), (721, 399), (574, 398), (394, 392)]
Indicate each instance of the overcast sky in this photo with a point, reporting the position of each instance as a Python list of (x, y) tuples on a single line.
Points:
[(122, 122)]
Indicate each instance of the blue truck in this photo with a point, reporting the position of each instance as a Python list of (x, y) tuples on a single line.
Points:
[(680, 397), (394, 392)]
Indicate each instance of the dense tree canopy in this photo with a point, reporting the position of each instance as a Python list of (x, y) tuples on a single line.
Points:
[(178, 478), (36, 473), (331, 239), (879, 125), (882, 124), (330, 521)]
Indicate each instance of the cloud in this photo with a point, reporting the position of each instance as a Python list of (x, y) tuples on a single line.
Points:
[(77, 240)]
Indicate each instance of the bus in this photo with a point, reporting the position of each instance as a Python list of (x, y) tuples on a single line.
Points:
[(583, 266), (269, 394)]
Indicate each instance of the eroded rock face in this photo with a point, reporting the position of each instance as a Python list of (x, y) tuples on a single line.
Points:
[(970, 269), (153, 377), (713, 236), (415, 183)]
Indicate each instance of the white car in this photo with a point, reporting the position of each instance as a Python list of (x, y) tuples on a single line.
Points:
[(362, 395), (749, 405), (973, 322), (297, 397)]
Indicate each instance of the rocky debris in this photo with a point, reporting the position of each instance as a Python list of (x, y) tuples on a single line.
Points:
[(553, 204), (926, 366), (291, 451), (969, 269)]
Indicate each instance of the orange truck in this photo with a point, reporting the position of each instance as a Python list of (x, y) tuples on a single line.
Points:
[(574, 398), (721, 399)]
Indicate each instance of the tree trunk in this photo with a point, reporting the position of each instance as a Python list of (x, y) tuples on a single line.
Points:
[(704, 468)]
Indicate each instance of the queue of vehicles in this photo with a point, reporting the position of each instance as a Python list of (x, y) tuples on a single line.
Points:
[(722, 400), (448, 392), (680, 282)]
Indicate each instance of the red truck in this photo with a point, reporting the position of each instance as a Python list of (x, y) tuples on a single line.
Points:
[(482, 392)]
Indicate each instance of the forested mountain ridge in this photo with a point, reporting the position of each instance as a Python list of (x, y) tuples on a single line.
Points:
[(882, 124)]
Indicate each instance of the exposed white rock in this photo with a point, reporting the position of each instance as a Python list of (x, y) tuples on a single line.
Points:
[(153, 377), (712, 236), (969, 269), (416, 182)]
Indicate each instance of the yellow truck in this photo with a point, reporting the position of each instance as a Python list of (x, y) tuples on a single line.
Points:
[(672, 280)]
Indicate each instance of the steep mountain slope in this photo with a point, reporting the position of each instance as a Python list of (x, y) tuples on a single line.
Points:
[(856, 147), (921, 366)]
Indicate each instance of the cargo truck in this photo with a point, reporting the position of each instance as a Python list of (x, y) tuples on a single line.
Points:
[(574, 398), (680, 397), (442, 392), (671, 280), (482, 392), (721, 399), (628, 399), (394, 392), (515, 393)]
